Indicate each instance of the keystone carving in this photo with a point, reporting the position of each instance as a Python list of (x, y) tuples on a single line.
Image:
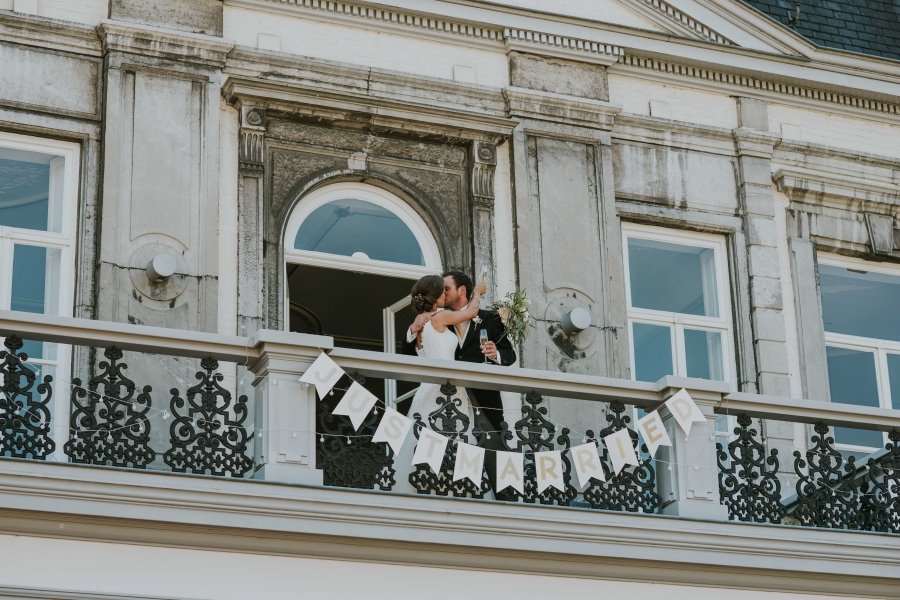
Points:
[(253, 134)]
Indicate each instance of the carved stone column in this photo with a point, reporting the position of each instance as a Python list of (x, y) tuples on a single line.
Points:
[(482, 165), (251, 220)]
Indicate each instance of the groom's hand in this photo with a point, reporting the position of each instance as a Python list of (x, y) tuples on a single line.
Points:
[(489, 349), (419, 322)]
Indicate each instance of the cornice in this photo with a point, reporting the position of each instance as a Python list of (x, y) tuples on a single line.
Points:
[(164, 43), (561, 46), (755, 143), (664, 14), (198, 512), (569, 110), (812, 186), (645, 129), (48, 34)]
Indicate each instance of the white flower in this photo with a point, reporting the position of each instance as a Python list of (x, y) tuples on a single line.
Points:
[(504, 314), (477, 320)]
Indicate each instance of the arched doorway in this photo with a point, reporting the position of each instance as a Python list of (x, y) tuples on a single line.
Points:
[(352, 252)]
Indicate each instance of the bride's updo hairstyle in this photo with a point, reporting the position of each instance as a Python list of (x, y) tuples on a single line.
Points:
[(425, 292)]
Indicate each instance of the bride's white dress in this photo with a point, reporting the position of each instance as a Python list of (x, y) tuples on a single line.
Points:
[(440, 345)]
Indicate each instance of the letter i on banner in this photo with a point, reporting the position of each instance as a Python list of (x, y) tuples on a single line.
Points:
[(392, 429), (511, 471), (653, 431), (549, 468), (356, 404), (469, 463), (685, 410), (587, 463), (430, 449), (621, 452), (323, 374)]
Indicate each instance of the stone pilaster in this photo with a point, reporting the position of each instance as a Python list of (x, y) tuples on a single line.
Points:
[(482, 164)]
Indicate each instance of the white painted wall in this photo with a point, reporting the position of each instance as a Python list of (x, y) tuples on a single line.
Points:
[(828, 129), (158, 572), (364, 47), (89, 12), (685, 104)]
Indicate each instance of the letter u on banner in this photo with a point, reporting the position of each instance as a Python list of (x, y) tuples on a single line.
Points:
[(685, 410), (323, 374), (549, 468), (356, 404), (392, 429)]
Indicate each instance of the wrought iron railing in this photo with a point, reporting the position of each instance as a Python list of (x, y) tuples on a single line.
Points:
[(205, 428)]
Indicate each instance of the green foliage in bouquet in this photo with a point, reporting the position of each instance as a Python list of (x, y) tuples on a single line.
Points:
[(513, 311)]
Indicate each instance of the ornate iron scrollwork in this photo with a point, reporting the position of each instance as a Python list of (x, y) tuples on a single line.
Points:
[(748, 479), (453, 423), (110, 427), (351, 462), (826, 492), (24, 416), (536, 434), (634, 488), (207, 438), (880, 509)]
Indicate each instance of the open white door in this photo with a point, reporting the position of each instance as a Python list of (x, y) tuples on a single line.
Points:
[(390, 347)]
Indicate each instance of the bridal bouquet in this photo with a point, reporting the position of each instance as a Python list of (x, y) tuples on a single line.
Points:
[(513, 311)]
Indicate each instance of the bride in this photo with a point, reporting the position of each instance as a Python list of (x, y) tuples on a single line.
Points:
[(438, 340)]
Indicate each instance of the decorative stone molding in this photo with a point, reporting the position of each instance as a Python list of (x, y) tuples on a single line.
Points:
[(673, 16), (545, 106), (51, 34), (562, 47), (755, 143), (839, 192), (881, 234), (159, 43), (252, 144), (483, 162)]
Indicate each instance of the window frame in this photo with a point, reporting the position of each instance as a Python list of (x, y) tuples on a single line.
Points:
[(65, 242), (880, 348), (677, 322)]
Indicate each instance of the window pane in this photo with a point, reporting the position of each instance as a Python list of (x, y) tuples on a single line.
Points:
[(893, 361), (652, 351), (858, 303), (35, 289), (359, 228), (30, 190), (703, 351), (672, 277), (851, 377)]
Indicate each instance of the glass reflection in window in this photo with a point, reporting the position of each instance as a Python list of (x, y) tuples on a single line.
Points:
[(35, 289), (672, 277), (856, 302), (852, 379), (652, 351), (31, 188), (360, 229)]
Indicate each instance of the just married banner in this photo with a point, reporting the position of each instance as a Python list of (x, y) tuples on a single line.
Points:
[(431, 447)]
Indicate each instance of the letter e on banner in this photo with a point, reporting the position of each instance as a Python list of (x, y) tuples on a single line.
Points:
[(653, 431), (587, 463), (392, 429), (685, 411), (511, 471), (323, 374), (621, 452), (469, 463), (430, 449), (549, 468)]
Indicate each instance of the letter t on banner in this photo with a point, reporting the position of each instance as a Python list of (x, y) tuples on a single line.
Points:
[(549, 469), (430, 449), (392, 429), (621, 452), (356, 404), (654, 432), (469, 463), (685, 411), (323, 374)]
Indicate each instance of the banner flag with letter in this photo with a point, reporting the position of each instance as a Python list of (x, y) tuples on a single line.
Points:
[(621, 452), (430, 449), (685, 410), (392, 429), (510, 471), (653, 431), (323, 374), (469, 463), (549, 468), (356, 404), (587, 463)]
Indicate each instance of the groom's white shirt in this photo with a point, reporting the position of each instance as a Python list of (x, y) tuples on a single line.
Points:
[(465, 331)]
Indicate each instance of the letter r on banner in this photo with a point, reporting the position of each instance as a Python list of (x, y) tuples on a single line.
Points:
[(549, 468), (323, 374), (587, 463)]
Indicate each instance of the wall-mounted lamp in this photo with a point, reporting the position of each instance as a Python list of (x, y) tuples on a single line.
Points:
[(161, 267), (577, 319)]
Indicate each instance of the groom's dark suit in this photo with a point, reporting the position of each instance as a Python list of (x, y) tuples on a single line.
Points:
[(470, 351)]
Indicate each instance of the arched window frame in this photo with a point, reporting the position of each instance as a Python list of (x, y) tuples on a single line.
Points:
[(379, 197)]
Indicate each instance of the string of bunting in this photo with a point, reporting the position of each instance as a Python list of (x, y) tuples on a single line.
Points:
[(393, 428)]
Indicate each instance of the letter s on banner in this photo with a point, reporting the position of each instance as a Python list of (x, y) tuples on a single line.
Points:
[(549, 468), (323, 374), (392, 429), (685, 410)]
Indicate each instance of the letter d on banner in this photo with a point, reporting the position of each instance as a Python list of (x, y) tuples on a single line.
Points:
[(392, 429), (685, 411), (549, 468), (323, 374)]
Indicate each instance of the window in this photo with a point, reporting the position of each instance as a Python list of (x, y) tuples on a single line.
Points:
[(678, 306), (38, 192), (862, 337)]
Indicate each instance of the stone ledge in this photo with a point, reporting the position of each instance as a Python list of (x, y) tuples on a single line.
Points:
[(569, 110), (164, 43), (50, 34)]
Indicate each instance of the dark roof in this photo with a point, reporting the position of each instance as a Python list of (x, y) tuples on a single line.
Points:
[(865, 26)]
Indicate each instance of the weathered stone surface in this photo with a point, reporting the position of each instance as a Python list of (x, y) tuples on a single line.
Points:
[(765, 292), (761, 231), (768, 325), (753, 113), (195, 16), (558, 76), (763, 262)]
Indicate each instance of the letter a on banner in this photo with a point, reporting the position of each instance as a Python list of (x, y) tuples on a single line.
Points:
[(587, 463), (356, 404), (685, 411), (430, 449), (511, 471), (392, 429), (469, 463), (654, 432), (323, 374), (549, 468), (621, 452)]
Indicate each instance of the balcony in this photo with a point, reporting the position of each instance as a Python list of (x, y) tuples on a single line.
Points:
[(276, 462)]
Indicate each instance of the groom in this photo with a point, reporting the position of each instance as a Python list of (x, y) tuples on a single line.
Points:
[(458, 289)]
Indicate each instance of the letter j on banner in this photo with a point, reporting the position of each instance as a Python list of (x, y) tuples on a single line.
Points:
[(323, 374)]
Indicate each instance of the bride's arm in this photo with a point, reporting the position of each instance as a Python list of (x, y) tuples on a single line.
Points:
[(454, 317)]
